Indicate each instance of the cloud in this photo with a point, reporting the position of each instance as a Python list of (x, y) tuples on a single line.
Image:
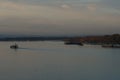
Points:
[(112, 3), (92, 7), (17, 18), (60, 18), (38, 12), (11, 5), (65, 6)]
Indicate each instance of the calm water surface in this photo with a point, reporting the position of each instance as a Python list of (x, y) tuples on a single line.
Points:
[(56, 61)]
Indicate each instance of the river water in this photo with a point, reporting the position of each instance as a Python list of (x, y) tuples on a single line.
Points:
[(55, 61)]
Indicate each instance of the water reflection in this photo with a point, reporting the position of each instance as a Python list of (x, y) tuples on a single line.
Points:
[(37, 49), (55, 61), (31, 49)]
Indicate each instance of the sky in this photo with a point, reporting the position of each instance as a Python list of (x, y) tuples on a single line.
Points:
[(59, 17)]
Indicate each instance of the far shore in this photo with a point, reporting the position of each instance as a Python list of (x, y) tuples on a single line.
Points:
[(103, 39)]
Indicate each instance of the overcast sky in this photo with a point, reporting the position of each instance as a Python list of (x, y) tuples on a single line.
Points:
[(59, 17)]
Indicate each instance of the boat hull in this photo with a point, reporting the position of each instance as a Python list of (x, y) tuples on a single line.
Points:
[(14, 47), (73, 43), (111, 46)]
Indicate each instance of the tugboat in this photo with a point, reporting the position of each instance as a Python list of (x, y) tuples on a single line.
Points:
[(111, 45), (73, 43), (15, 46)]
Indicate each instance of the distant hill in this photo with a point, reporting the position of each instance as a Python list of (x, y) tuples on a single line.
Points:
[(32, 38), (105, 39)]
